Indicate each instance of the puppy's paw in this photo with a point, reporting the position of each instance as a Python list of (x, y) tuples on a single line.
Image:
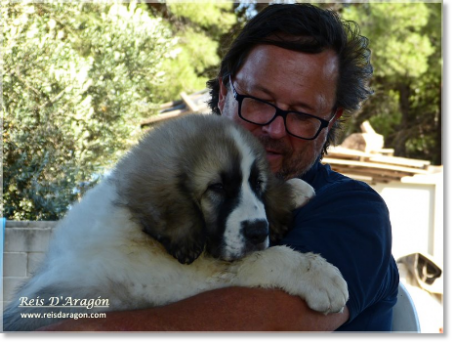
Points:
[(306, 275), (324, 289), (302, 192), (184, 251)]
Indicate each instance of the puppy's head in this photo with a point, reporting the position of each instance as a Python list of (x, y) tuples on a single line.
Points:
[(202, 182), (231, 194)]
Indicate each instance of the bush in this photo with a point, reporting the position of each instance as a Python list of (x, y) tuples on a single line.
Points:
[(77, 80)]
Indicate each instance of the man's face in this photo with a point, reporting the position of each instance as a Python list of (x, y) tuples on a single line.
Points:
[(291, 81)]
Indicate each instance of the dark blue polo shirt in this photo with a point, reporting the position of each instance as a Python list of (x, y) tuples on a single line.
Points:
[(347, 222)]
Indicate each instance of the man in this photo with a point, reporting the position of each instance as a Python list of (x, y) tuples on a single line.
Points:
[(288, 78)]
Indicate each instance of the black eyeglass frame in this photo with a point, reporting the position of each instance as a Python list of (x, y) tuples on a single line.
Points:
[(279, 112)]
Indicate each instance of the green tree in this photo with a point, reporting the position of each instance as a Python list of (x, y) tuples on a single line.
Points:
[(405, 39), (201, 29), (77, 80)]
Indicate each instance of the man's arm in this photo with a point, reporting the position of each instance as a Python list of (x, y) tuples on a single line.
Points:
[(228, 309)]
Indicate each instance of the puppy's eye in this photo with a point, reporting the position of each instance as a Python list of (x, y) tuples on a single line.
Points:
[(216, 187), (257, 184)]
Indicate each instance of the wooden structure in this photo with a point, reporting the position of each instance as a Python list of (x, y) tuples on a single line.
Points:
[(375, 167), (193, 103), (362, 156)]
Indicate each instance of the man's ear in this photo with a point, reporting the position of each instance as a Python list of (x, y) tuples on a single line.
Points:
[(337, 115), (222, 95)]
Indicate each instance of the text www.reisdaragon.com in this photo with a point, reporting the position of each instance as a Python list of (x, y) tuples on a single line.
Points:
[(62, 315)]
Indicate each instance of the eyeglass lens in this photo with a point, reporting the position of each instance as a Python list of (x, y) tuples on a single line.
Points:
[(297, 124)]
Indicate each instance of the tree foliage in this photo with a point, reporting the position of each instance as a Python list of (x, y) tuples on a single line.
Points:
[(405, 39), (200, 29), (79, 77)]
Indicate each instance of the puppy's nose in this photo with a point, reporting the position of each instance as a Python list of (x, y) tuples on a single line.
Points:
[(255, 232)]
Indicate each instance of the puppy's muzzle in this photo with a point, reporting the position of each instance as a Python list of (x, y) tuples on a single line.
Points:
[(255, 232)]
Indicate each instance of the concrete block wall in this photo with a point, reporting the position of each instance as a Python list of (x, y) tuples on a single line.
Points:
[(25, 245)]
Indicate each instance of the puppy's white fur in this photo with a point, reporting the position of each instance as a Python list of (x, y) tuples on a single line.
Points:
[(99, 250)]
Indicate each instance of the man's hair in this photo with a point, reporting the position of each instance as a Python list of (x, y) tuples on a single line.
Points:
[(309, 29)]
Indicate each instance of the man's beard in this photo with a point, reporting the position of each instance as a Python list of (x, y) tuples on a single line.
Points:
[(292, 166)]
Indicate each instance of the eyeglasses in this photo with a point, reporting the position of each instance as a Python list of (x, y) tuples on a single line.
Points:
[(260, 112)]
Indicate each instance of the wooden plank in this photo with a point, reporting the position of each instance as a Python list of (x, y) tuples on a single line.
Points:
[(400, 161), (367, 179), (367, 128), (342, 152), (171, 104), (189, 102), (365, 176), (374, 165), (372, 173), (158, 118), (339, 151), (386, 151)]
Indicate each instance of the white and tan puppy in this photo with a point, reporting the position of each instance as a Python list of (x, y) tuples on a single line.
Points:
[(192, 207)]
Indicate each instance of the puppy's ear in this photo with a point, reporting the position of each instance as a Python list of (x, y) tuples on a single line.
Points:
[(168, 213), (281, 198), (181, 230)]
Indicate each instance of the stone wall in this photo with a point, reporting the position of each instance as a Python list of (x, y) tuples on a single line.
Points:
[(25, 245)]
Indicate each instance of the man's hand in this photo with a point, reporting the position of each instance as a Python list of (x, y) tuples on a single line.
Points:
[(229, 309)]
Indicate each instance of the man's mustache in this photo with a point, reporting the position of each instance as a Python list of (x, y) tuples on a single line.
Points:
[(274, 145)]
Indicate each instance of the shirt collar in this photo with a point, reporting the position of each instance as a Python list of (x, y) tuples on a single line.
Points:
[(312, 173)]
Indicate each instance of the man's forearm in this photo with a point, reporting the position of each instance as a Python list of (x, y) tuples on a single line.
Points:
[(229, 309)]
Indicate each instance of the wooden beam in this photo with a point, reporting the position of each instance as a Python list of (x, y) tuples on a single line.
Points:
[(189, 102), (158, 118), (378, 166), (400, 161)]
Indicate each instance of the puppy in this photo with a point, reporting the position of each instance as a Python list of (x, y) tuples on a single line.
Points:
[(192, 207)]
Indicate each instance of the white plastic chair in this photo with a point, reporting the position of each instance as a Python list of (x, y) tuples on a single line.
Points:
[(405, 316)]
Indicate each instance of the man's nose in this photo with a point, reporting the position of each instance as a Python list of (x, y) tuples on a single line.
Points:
[(276, 129)]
